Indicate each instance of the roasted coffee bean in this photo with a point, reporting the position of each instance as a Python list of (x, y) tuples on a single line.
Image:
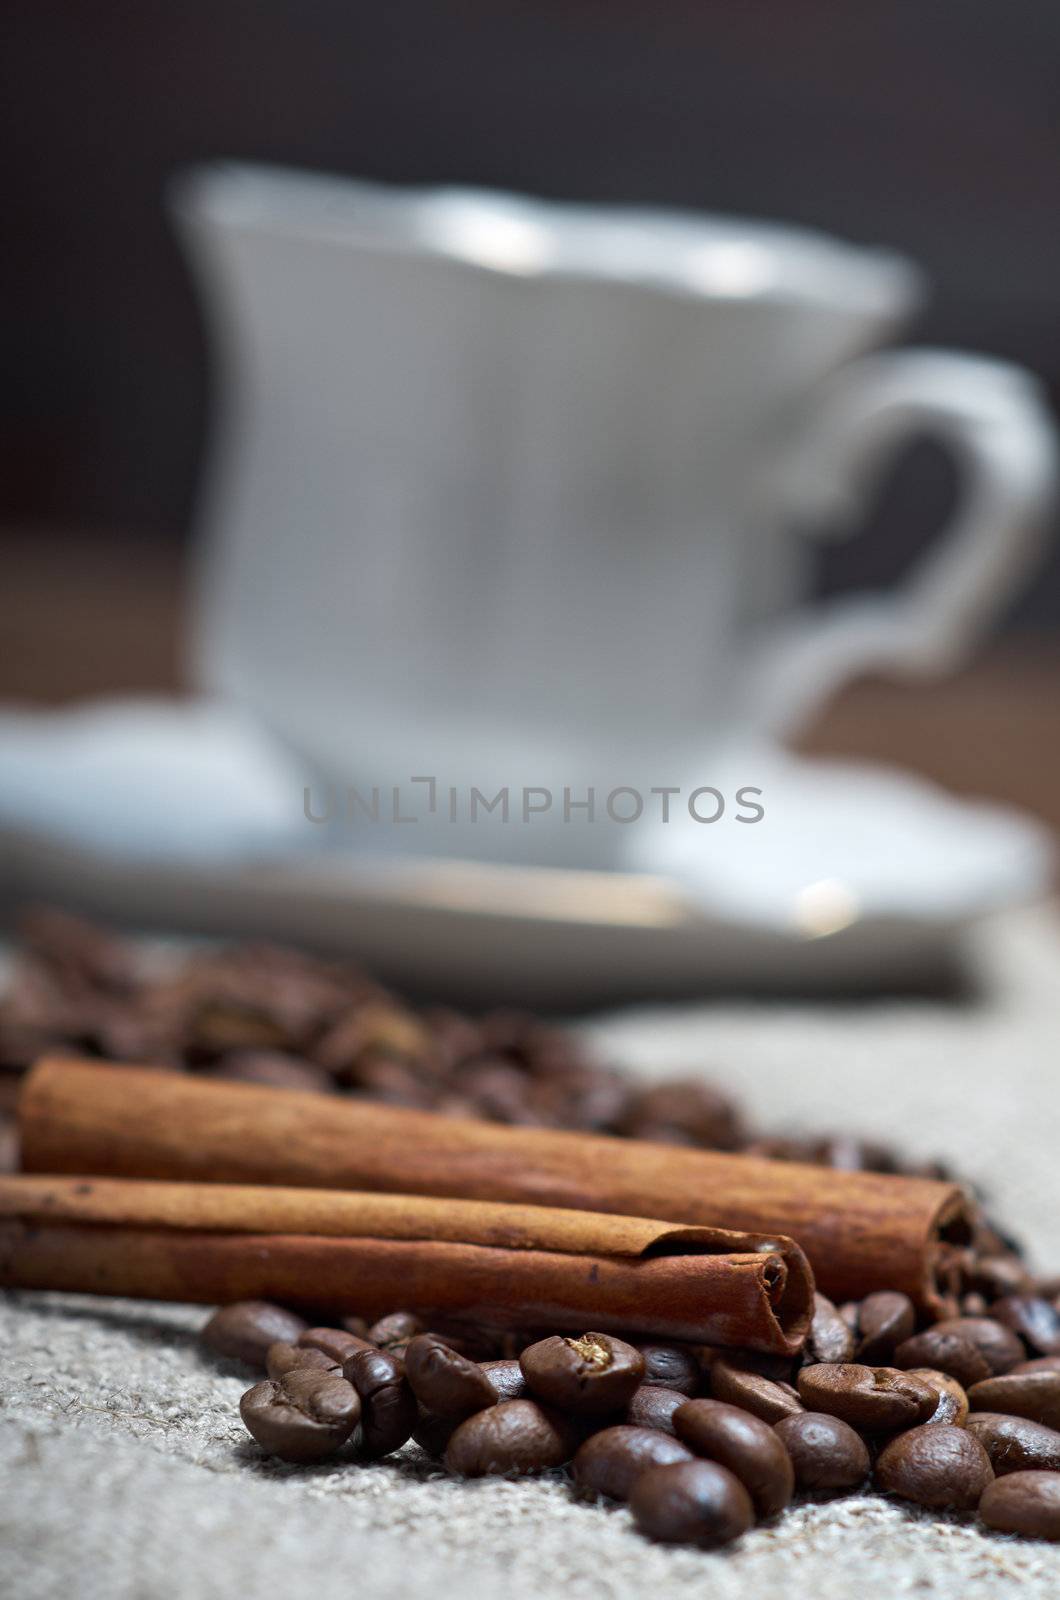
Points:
[(998, 1345), (477, 1342), (610, 1462), (1015, 1444), (652, 1407), (973, 1304), (660, 1133), (745, 1444), (306, 1416), (826, 1453), (670, 1366), (876, 1399), (953, 1401), (855, 1155), (9, 1143), (234, 1024), (455, 1105), (761, 1396), (989, 1240), (454, 1341), (454, 1037), (444, 1381), (599, 1104), (500, 1092), (395, 1330), (1037, 1364), (885, 1319), (778, 1369), (996, 1276), (513, 1341), (936, 1465), (357, 1326), (691, 1502), (283, 1358), (1037, 1321), (507, 1379), (515, 1437), (1023, 1502), (831, 1337), (506, 1029), (432, 1432), (1020, 1394), (945, 1352), (336, 1343), (593, 1374), (253, 997), (952, 1267), (684, 1110), (272, 1068), (379, 1029), (245, 1330), (388, 1405), (78, 951), (393, 1083)]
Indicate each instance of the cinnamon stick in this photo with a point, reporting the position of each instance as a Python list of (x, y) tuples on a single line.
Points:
[(861, 1231), (508, 1265)]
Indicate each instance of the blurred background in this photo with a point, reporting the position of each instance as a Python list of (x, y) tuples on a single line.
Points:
[(934, 129)]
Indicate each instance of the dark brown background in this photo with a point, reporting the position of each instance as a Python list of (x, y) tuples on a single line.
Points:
[(934, 127)]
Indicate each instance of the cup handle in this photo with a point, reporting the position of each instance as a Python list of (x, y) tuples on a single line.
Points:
[(996, 421)]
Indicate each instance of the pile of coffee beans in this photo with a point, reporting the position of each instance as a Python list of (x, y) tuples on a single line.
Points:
[(702, 1444), (263, 1014), (260, 1014)]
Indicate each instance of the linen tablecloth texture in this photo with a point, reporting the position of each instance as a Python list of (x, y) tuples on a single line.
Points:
[(125, 1472)]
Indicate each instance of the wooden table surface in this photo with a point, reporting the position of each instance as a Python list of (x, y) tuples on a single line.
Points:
[(83, 615)]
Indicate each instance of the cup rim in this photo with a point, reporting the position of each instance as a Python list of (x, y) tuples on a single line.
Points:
[(671, 251)]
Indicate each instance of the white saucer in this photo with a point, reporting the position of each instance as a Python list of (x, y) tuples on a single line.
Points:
[(857, 877)]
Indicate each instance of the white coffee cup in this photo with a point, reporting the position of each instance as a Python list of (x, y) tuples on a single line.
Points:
[(509, 492)]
